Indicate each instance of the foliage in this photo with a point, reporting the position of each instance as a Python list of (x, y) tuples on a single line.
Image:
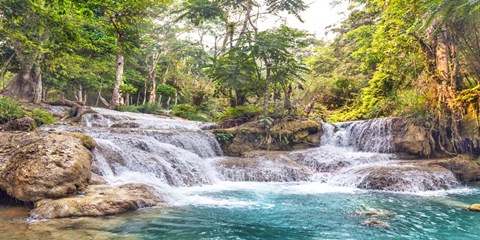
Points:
[(41, 117), (189, 112), (246, 112), (224, 137), (9, 110)]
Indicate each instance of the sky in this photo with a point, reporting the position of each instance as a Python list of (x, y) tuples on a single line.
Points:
[(318, 16)]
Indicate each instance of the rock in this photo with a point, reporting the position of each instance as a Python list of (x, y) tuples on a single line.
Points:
[(376, 223), (98, 200), (86, 140), (20, 124), (375, 212), (474, 207), (411, 139), (465, 170), (125, 125), (39, 165), (288, 135), (271, 167), (405, 178)]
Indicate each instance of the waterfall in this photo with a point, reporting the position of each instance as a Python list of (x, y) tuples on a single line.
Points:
[(168, 153), (371, 136)]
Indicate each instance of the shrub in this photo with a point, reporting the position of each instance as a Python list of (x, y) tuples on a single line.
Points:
[(246, 112), (145, 108), (42, 117), (10, 110), (189, 112)]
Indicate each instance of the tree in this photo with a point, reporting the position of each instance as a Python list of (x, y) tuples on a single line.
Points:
[(34, 28), (123, 19)]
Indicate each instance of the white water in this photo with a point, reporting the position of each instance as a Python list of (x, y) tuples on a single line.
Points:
[(181, 160)]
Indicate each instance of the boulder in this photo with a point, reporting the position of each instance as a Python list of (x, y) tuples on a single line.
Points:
[(269, 167), (20, 124), (474, 208), (287, 135), (98, 200), (405, 178), (412, 139), (39, 165), (465, 169)]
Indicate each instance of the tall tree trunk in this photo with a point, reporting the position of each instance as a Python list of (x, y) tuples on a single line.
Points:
[(37, 78), (267, 91), (118, 80), (152, 74)]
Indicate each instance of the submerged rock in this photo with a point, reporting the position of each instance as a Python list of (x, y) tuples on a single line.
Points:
[(375, 212), (39, 165), (98, 200), (376, 223)]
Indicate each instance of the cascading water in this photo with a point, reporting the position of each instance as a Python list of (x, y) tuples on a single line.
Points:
[(360, 155), (166, 152), (158, 151), (306, 194)]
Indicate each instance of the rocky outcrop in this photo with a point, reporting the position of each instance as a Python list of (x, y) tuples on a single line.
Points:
[(289, 135), (405, 178), (465, 169), (20, 124), (262, 167), (98, 200), (412, 139), (40, 165)]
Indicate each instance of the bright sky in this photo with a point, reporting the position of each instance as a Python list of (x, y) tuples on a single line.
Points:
[(318, 16)]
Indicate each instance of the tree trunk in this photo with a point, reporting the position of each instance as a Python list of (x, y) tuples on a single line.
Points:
[(22, 85), (118, 80), (37, 78), (267, 92), (152, 74)]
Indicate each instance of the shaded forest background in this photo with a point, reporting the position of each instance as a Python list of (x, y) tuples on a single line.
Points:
[(207, 60)]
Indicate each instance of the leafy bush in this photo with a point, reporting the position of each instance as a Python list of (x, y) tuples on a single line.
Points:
[(189, 112), (224, 137), (247, 112), (10, 110), (145, 108)]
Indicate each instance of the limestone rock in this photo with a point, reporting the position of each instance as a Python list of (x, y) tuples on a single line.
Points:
[(20, 124), (376, 223), (98, 200), (465, 170), (405, 177), (39, 165), (288, 135), (271, 167), (412, 139), (474, 207), (375, 212)]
